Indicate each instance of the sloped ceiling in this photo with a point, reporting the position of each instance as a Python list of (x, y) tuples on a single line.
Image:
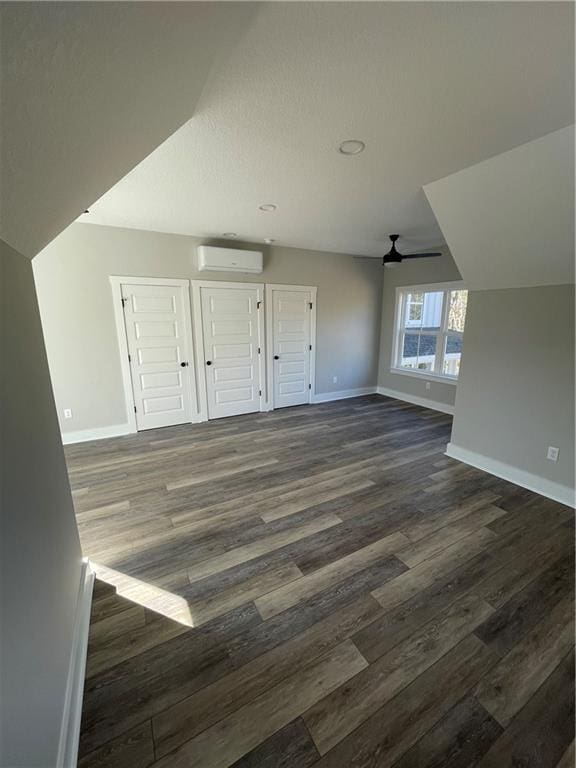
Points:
[(88, 90), (431, 88), (509, 221)]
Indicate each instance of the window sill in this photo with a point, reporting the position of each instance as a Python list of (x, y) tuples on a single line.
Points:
[(425, 375)]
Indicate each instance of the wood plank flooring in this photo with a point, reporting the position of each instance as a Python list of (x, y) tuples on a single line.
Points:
[(321, 586)]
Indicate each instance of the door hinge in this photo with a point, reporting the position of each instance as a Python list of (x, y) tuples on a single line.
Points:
[(310, 347), (123, 302), (260, 392), (310, 304), (129, 359), (135, 411), (259, 351), (309, 386), (258, 303)]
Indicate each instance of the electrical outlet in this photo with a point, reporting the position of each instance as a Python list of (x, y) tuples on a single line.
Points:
[(553, 453), (67, 413), (334, 379), (427, 385)]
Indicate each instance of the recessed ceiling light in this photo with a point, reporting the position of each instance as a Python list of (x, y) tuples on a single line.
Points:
[(351, 147), (269, 240), (268, 207), (229, 234)]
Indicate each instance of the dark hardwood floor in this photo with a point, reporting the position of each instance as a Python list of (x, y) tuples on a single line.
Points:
[(321, 586)]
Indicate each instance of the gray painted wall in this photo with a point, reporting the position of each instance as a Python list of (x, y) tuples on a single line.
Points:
[(516, 390), (417, 272), (40, 557), (77, 315)]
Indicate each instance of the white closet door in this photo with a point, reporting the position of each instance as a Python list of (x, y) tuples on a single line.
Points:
[(232, 344), (158, 332), (291, 313)]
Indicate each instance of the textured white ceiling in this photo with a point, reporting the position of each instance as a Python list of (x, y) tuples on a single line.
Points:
[(430, 87), (509, 221), (88, 90)]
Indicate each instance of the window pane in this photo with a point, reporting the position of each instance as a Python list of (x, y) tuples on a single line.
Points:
[(419, 351), (453, 344), (457, 310), (432, 310), (414, 311), (414, 303), (410, 350), (426, 352), (452, 355), (424, 309)]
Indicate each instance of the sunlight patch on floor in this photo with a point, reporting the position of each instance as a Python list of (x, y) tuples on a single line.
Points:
[(148, 595)]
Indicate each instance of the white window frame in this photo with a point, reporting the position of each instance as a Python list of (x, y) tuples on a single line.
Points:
[(441, 334)]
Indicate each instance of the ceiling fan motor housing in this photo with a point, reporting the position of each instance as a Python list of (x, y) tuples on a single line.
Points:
[(393, 257)]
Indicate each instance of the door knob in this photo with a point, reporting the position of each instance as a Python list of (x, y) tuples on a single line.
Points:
[(276, 357), (183, 365), (208, 362)]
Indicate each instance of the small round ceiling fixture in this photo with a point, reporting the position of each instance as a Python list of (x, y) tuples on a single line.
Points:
[(229, 234), (269, 240), (268, 207), (351, 147)]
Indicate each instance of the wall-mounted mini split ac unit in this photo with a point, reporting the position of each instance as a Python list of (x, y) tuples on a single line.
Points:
[(228, 260)]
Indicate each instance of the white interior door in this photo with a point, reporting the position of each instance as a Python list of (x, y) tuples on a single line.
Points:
[(158, 332), (232, 336), (291, 346)]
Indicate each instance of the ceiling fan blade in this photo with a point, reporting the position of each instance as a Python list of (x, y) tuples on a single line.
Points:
[(419, 255)]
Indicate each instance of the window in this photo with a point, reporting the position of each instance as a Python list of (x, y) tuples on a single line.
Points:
[(429, 330)]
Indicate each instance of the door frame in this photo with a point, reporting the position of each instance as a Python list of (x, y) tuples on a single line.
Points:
[(116, 283), (198, 333), (269, 305)]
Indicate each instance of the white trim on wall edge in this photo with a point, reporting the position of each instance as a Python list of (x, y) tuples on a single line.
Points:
[(555, 491), (434, 405), (343, 394), (72, 712), (98, 433)]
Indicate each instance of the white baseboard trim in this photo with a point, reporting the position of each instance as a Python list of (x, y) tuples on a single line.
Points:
[(72, 713), (343, 394), (423, 401), (548, 488), (99, 433)]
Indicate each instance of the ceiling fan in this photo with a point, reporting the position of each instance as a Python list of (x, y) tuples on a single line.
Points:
[(393, 257)]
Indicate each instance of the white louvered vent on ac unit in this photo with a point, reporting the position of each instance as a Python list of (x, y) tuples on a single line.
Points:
[(228, 260)]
